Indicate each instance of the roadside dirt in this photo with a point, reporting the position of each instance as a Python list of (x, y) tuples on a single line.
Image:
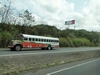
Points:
[(15, 64)]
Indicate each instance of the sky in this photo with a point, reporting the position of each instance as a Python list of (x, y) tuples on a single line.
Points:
[(86, 13)]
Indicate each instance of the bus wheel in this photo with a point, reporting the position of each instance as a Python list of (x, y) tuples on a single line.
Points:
[(49, 48), (17, 47)]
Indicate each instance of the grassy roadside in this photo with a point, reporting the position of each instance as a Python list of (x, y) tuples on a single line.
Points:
[(12, 65)]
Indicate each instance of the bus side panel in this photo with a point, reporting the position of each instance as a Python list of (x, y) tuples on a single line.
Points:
[(33, 45)]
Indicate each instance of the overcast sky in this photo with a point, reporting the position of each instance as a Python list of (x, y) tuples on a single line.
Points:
[(86, 13)]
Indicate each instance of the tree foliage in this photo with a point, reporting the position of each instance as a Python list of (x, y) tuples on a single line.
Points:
[(68, 38)]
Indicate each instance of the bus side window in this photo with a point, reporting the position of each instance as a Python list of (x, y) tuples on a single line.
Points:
[(36, 39), (57, 41), (50, 40), (25, 39), (33, 39), (29, 39), (47, 40), (41, 40), (44, 40)]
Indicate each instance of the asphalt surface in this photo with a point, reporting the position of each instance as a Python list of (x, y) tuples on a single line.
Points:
[(7, 52), (85, 67)]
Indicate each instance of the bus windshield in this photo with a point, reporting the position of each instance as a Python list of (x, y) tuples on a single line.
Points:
[(19, 37)]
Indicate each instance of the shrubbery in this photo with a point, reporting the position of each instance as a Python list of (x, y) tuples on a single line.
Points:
[(75, 42)]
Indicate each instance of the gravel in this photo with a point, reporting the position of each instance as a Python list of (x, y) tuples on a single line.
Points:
[(12, 65)]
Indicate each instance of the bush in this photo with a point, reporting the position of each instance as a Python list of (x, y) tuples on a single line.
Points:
[(63, 42), (81, 42)]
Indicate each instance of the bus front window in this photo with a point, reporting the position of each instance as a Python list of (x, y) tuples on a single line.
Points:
[(20, 37)]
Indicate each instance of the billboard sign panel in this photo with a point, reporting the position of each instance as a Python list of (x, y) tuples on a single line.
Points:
[(70, 22)]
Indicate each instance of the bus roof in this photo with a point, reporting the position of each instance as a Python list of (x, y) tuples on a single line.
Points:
[(36, 36)]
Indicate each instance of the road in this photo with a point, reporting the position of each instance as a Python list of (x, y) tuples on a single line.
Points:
[(85, 67), (7, 52)]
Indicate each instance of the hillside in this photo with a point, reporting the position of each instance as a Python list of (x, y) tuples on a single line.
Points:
[(68, 37)]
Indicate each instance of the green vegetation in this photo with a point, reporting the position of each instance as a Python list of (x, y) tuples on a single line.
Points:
[(68, 37)]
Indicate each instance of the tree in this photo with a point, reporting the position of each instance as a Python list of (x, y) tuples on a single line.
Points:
[(5, 12), (27, 17)]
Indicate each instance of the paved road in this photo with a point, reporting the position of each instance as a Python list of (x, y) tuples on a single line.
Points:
[(7, 52), (85, 67)]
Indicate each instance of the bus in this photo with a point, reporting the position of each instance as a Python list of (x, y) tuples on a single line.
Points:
[(33, 41)]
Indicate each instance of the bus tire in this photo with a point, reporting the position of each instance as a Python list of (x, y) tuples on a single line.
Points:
[(17, 48), (49, 48)]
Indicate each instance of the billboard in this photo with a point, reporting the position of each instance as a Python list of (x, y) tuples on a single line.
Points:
[(70, 22)]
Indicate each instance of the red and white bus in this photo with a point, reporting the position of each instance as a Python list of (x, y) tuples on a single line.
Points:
[(33, 41)]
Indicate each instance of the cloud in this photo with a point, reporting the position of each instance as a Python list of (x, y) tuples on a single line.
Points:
[(56, 12), (53, 12), (91, 17)]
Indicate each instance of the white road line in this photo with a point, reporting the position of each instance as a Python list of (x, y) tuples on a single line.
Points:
[(38, 53), (72, 67), (32, 53)]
